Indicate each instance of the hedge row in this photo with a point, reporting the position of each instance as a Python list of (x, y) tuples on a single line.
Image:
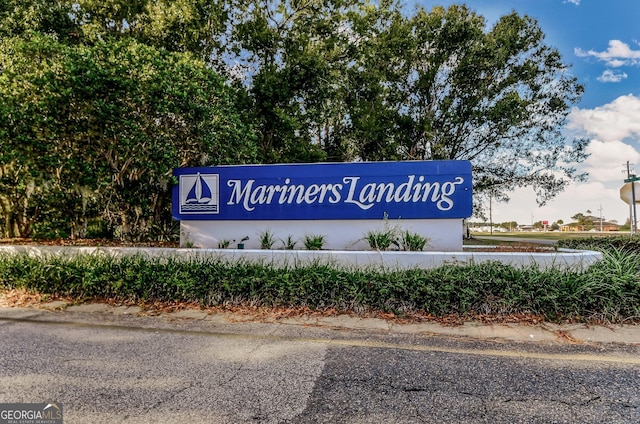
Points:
[(621, 242), (609, 290)]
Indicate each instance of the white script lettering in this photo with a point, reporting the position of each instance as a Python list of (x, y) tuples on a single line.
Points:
[(415, 189)]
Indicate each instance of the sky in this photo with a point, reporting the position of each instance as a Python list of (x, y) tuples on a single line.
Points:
[(600, 41)]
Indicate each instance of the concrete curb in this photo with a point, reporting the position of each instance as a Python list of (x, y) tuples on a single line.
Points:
[(544, 332), (564, 259)]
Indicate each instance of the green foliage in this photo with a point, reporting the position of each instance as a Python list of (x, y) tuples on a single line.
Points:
[(294, 51), (381, 239), (224, 243), (289, 243), (412, 241), (621, 242), (267, 239), (608, 290), (391, 234), (313, 241), (99, 100), (371, 82), (18, 17), (99, 125), (165, 231), (461, 90), (176, 26), (584, 221)]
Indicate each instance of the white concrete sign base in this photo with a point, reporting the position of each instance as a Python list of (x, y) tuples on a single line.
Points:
[(564, 259), (444, 235)]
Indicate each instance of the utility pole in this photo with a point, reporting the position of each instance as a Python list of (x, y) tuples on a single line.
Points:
[(490, 213), (631, 178), (600, 209)]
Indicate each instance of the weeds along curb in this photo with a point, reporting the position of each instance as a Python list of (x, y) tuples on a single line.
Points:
[(608, 289)]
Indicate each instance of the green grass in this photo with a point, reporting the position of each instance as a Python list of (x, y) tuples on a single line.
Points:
[(494, 242), (608, 290), (551, 235)]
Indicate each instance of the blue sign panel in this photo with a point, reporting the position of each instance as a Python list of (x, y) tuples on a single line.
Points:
[(363, 190)]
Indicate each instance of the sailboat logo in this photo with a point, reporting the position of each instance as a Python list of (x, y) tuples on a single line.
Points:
[(199, 193)]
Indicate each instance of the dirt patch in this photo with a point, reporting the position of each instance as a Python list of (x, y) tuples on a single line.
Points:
[(26, 299)]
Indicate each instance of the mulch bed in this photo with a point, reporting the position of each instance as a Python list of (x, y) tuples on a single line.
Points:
[(527, 248), (88, 242)]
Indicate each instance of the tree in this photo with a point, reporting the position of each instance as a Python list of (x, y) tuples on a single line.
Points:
[(178, 26), (440, 85), (109, 122), (291, 56), (25, 132), (584, 221), (626, 226), (509, 225), (336, 80), (18, 17)]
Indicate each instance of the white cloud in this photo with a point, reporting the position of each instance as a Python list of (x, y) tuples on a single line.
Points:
[(612, 76), (576, 2), (614, 130), (613, 121), (618, 54), (607, 159), (578, 197)]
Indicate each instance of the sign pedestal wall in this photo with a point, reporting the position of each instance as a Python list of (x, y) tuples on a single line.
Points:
[(443, 234)]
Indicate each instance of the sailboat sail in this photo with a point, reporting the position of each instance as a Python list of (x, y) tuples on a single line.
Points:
[(200, 193), (205, 191), (192, 197)]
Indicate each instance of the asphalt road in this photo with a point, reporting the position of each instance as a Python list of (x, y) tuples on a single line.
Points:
[(128, 369)]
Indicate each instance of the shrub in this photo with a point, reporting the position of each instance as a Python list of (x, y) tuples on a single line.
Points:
[(313, 241), (627, 243), (608, 290), (381, 240), (224, 244), (412, 241), (267, 240), (289, 243)]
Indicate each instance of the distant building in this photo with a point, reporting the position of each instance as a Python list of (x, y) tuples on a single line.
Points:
[(486, 228), (590, 223), (525, 228)]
